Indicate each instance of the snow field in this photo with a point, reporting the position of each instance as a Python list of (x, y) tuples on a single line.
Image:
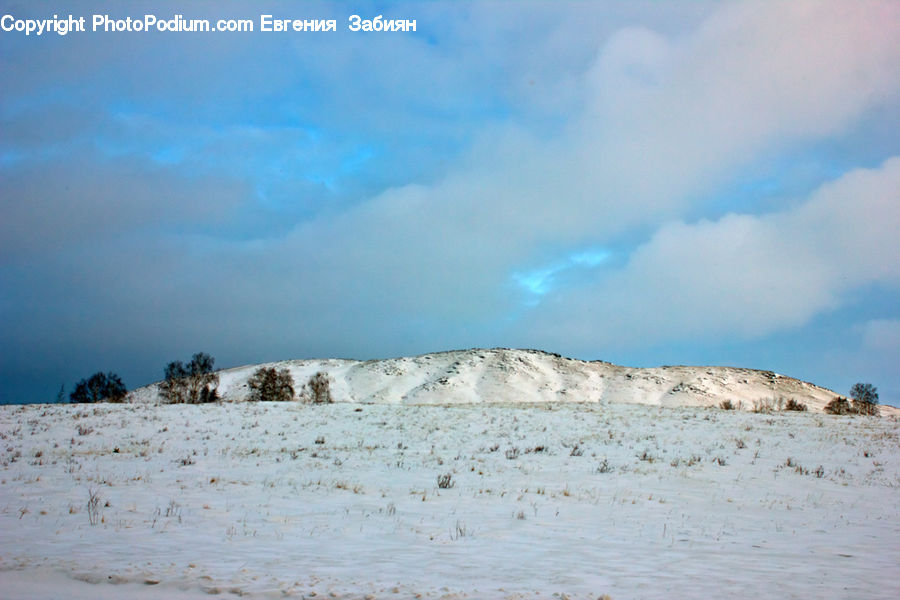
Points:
[(543, 501)]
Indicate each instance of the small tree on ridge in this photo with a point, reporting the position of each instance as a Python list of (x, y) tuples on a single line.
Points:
[(271, 385), (865, 398), (100, 387), (318, 389), (192, 383)]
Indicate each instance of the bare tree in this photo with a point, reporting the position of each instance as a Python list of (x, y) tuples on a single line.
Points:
[(865, 398), (192, 383), (271, 385), (202, 381), (839, 406), (318, 389), (174, 387), (100, 387)]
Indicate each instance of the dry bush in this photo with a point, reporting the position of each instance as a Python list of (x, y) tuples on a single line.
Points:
[(459, 532), (866, 408), (839, 406), (767, 405), (271, 385), (318, 389), (93, 506), (647, 457), (793, 405)]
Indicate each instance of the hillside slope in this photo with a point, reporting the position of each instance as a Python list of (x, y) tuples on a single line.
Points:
[(513, 376)]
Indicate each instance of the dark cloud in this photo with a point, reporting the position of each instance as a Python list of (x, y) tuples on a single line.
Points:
[(81, 201)]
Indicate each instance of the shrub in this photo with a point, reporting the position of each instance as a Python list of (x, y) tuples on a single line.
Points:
[(271, 385), (318, 389), (865, 398), (174, 387), (727, 405), (445, 481), (793, 405), (99, 387), (869, 409), (193, 383), (839, 406), (764, 406)]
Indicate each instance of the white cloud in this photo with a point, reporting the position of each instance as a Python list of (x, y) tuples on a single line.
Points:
[(742, 276), (674, 116), (668, 117)]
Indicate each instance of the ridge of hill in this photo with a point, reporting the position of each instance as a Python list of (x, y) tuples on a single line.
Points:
[(509, 376)]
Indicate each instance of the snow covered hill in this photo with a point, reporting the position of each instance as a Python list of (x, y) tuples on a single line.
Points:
[(454, 476), (508, 376)]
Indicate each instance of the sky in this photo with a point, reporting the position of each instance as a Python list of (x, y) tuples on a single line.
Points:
[(645, 183)]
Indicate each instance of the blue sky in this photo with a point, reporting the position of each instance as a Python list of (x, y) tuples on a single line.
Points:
[(643, 183)]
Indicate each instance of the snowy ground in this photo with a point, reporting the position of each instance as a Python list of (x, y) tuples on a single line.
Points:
[(547, 501)]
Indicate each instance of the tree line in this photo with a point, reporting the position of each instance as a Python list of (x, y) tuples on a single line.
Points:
[(196, 382)]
